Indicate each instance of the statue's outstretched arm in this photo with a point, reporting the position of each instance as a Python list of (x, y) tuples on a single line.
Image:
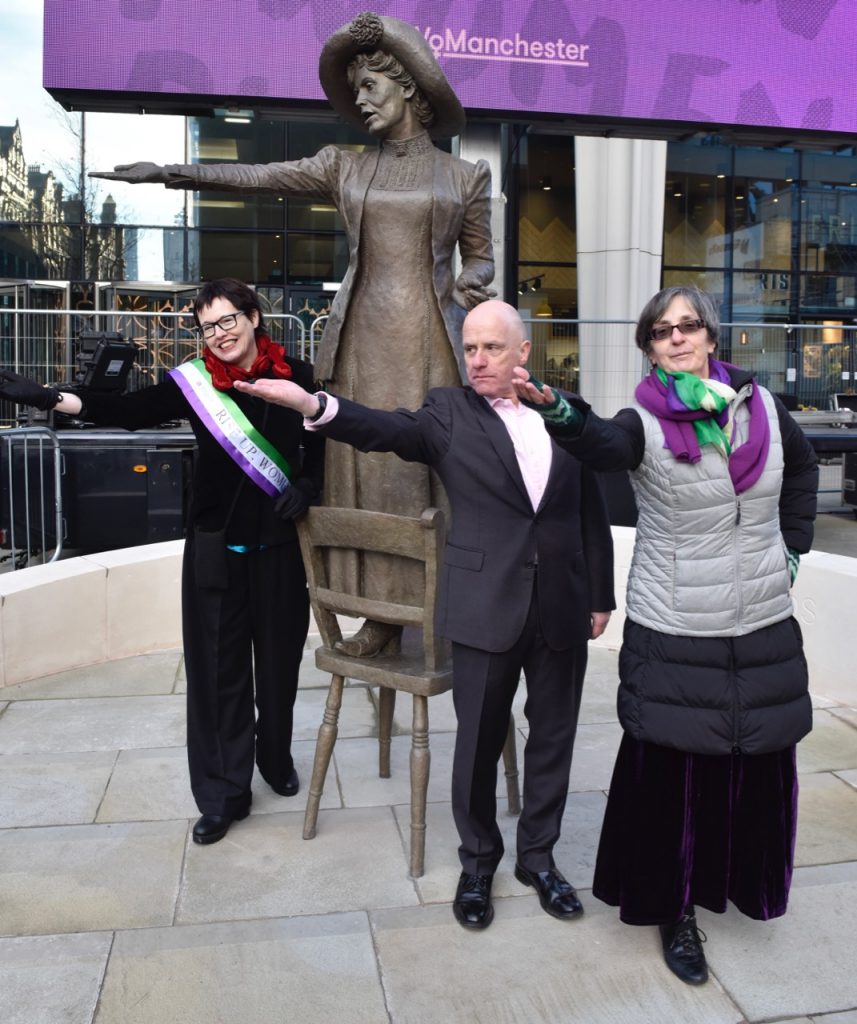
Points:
[(312, 176), (136, 173)]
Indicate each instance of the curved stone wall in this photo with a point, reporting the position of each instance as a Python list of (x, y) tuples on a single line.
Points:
[(120, 603)]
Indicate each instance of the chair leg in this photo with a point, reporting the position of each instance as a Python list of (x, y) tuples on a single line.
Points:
[(323, 750), (420, 765), (386, 707), (510, 763)]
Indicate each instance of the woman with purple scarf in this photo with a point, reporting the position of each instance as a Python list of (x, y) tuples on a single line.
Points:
[(713, 692)]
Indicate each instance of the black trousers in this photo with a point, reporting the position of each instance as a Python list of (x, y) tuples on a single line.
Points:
[(252, 631), (484, 686)]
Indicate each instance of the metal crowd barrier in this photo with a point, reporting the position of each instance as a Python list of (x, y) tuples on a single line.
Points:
[(31, 513)]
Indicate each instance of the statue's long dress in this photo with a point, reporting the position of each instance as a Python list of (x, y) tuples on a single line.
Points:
[(395, 347)]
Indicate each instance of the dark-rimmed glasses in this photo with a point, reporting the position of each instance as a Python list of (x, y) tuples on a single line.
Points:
[(687, 326), (225, 323)]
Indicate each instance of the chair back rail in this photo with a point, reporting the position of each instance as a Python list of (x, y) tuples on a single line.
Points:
[(324, 529)]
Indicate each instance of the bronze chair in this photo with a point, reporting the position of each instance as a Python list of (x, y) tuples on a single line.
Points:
[(422, 667)]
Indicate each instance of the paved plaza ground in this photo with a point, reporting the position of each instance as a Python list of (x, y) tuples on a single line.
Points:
[(109, 914)]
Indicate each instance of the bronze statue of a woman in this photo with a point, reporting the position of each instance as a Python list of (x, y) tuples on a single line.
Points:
[(394, 329)]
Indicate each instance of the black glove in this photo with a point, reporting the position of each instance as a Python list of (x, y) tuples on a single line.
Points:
[(24, 391), (296, 499)]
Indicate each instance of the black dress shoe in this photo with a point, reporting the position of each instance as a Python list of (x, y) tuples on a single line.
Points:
[(472, 906), (213, 827), (291, 787), (556, 895), (683, 953)]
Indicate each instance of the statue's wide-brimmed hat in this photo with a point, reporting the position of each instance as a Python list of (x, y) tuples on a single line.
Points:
[(368, 32)]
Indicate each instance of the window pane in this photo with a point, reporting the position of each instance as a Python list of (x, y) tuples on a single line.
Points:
[(695, 215), (547, 226), (249, 257), (314, 259), (828, 249), (708, 280), (213, 140), (764, 190), (760, 294), (123, 139)]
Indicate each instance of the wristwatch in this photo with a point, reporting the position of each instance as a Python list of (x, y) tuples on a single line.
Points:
[(322, 405)]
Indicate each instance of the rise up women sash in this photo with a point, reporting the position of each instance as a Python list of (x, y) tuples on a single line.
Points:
[(228, 425)]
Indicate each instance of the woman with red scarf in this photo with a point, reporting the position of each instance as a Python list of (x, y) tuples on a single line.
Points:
[(245, 606), (713, 692)]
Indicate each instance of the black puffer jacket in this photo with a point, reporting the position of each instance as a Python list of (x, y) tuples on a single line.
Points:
[(715, 695)]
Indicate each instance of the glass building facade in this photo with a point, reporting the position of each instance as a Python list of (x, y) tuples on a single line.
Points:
[(771, 232)]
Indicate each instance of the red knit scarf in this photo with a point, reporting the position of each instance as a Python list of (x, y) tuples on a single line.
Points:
[(269, 356)]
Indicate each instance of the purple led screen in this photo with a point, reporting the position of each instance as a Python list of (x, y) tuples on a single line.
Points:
[(769, 63)]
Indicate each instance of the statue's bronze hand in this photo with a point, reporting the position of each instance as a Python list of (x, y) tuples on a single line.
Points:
[(467, 294), (136, 173)]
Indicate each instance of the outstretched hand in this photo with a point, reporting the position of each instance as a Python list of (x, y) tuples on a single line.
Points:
[(281, 392), (528, 389), (136, 173), (24, 391)]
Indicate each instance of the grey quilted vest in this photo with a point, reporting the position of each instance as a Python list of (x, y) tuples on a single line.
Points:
[(707, 562)]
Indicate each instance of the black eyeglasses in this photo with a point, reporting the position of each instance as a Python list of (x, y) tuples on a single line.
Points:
[(688, 326), (225, 323)]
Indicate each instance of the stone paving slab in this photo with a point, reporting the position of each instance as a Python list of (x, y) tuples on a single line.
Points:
[(827, 821), (807, 956), (100, 723), (595, 749), (153, 785), (52, 789), (850, 777), (825, 874), (89, 877), (149, 785), (598, 703), (125, 677), (264, 868), (832, 745), (52, 979), (357, 770), (312, 970), (528, 968), (848, 715), (181, 678), (357, 717)]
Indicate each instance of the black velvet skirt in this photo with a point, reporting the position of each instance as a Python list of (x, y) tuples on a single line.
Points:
[(683, 830)]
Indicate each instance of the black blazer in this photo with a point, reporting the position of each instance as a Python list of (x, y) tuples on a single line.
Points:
[(495, 539)]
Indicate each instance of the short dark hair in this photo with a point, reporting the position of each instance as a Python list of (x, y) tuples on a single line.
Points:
[(237, 292), (703, 304)]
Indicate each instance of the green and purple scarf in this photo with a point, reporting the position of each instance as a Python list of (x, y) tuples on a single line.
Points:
[(694, 412)]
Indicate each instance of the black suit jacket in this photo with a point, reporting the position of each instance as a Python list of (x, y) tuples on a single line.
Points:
[(496, 539)]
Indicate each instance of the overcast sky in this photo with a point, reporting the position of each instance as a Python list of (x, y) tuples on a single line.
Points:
[(111, 138)]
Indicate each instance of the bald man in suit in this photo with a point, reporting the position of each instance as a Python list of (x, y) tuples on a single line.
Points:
[(527, 580)]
